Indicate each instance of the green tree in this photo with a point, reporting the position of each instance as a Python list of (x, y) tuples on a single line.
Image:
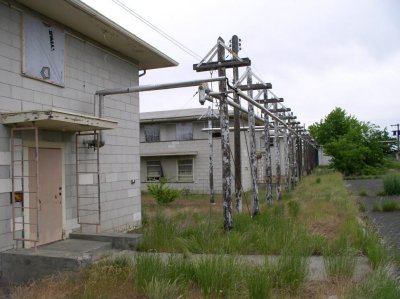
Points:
[(355, 146)]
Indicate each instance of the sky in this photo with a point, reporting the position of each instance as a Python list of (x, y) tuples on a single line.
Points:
[(317, 54)]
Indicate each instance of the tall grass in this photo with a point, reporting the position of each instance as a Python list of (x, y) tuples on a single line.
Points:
[(386, 206), (391, 184), (379, 285), (218, 276), (259, 282), (290, 271), (340, 266)]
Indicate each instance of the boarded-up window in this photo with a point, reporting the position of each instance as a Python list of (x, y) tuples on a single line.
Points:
[(185, 170), (184, 131), (43, 50), (152, 133), (154, 170)]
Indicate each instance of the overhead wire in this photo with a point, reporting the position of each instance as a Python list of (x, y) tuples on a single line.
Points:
[(158, 30)]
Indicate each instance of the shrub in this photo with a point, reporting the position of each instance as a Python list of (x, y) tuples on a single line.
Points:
[(391, 184), (162, 193)]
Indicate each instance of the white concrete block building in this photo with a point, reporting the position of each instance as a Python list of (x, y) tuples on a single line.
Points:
[(65, 164), (172, 145)]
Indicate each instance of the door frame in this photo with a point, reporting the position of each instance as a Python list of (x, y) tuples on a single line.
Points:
[(53, 145)]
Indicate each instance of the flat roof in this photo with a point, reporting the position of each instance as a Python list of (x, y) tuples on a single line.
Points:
[(88, 21), (56, 120), (168, 154), (168, 115)]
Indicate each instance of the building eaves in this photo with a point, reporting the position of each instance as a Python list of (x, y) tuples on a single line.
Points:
[(89, 22)]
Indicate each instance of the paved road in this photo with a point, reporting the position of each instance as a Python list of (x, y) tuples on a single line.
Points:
[(388, 223)]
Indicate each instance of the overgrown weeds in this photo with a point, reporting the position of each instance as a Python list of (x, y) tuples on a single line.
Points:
[(386, 205), (161, 192), (391, 184), (317, 218), (379, 285)]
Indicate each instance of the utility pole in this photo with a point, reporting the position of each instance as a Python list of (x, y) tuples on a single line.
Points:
[(236, 132), (277, 156), (225, 147), (398, 140), (221, 64), (268, 163), (255, 208), (210, 116), (286, 155)]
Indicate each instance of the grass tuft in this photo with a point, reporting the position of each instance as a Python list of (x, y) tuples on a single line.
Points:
[(379, 285), (391, 184), (217, 276), (340, 266)]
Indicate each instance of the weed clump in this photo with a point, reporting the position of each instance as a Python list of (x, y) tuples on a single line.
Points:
[(162, 193), (391, 184)]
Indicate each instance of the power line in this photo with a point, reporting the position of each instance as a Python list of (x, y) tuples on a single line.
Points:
[(158, 30)]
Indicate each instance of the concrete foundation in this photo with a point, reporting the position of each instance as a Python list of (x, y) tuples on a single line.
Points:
[(73, 254), (118, 241)]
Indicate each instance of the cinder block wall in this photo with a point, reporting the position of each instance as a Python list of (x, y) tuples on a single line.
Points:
[(87, 68)]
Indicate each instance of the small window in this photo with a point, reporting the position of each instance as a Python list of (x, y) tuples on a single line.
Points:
[(216, 134), (152, 133), (154, 170), (185, 170), (262, 142), (184, 131)]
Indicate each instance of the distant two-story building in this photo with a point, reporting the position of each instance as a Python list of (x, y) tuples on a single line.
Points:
[(173, 145), (65, 164)]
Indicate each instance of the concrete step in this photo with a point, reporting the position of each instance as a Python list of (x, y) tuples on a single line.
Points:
[(120, 241), (67, 255)]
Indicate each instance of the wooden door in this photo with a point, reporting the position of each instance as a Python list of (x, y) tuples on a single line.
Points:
[(50, 193)]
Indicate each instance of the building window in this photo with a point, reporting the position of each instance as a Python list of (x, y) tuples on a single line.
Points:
[(184, 131), (154, 170), (185, 170), (152, 133), (43, 50)]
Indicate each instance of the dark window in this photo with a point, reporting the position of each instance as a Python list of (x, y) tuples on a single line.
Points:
[(184, 131), (152, 133), (185, 170), (154, 171)]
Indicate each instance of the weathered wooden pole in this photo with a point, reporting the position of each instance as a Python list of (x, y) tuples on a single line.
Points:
[(277, 157), (255, 207), (295, 159), (225, 147), (268, 163), (210, 155), (292, 157), (300, 158), (236, 133), (286, 155)]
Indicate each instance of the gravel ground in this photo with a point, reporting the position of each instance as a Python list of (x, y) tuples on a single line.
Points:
[(388, 223)]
